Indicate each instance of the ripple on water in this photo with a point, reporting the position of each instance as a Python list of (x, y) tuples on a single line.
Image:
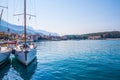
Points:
[(72, 60)]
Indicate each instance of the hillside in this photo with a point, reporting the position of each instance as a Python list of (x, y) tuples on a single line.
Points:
[(99, 35)]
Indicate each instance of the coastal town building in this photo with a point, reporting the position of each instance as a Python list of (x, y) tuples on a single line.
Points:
[(94, 37)]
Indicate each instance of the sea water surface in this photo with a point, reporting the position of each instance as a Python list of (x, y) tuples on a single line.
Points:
[(69, 60)]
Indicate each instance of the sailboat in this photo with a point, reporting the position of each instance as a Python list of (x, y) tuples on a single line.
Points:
[(4, 53), (25, 53), (4, 49)]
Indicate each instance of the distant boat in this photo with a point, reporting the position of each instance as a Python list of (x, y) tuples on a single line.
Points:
[(4, 49), (25, 53), (11, 42)]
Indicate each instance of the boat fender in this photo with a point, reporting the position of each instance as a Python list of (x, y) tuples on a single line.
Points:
[(13, 51), (26, 52)]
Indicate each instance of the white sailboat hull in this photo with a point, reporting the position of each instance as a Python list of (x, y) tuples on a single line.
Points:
[(26, 58), (4, 56)]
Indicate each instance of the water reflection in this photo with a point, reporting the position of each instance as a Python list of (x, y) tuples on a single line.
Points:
[(4, 69), (25, 72)]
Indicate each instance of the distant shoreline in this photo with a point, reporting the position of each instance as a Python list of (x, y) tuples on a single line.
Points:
[(83, 39)]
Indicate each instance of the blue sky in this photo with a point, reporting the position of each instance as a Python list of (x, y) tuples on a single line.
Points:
[(69, 16)]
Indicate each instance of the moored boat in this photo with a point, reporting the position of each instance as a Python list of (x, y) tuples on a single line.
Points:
[(11, 42), (25, 53), (4, 53), (4, 49)]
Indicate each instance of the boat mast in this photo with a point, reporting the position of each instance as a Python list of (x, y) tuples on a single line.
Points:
[(25, 21), (24, 14), (2, 12)]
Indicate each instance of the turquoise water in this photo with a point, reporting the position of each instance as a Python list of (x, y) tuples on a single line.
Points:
[(69, 60)]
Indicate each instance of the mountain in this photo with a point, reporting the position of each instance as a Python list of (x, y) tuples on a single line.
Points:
[(19, 29), (47, 33)]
